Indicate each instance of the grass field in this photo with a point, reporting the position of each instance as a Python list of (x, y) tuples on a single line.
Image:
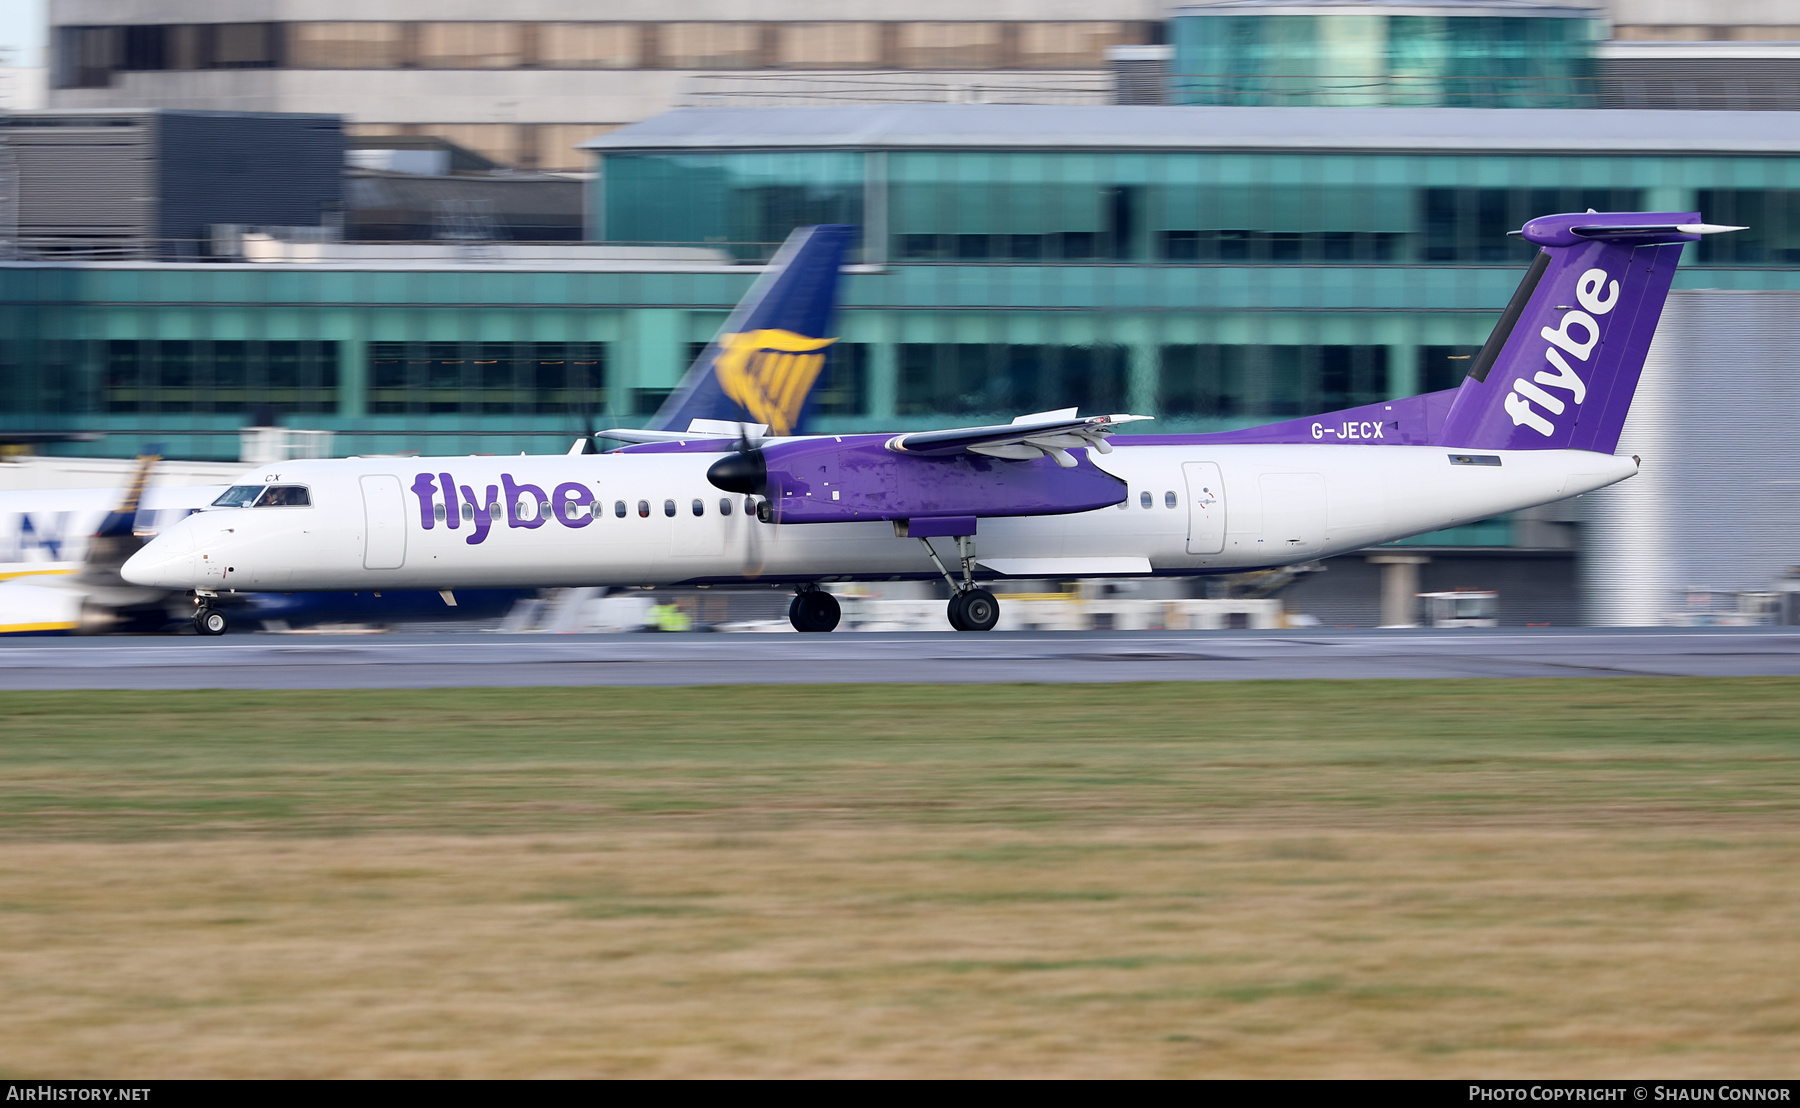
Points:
[(1499, 878)]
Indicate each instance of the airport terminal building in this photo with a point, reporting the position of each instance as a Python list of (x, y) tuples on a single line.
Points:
[(1213, 266)]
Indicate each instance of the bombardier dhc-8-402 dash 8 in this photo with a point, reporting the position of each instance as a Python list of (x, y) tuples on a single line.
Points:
[(1047, 495)]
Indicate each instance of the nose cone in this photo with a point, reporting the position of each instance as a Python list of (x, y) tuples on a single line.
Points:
[(165, 562)]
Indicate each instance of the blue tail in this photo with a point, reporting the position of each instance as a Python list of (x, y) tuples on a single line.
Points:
[(1562, 364), (763, 364)]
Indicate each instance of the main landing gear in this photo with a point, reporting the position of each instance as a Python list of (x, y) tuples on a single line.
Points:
[(971, 608), (814, 609)]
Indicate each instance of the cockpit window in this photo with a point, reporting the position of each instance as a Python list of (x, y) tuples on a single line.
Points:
[(296, 496), (238, 496)]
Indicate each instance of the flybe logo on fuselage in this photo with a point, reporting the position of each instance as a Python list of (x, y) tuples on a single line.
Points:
[(525, 506), (769, 372), (1526, 397)]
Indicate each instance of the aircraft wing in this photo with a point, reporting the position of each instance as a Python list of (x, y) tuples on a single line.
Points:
[(1025, 438), (699, 430), (637, 435)]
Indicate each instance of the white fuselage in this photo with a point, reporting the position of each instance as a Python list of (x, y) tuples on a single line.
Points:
[(1211, 509)]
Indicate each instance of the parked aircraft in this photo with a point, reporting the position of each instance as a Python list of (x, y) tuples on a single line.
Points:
[(1047, 495), (57, 595)]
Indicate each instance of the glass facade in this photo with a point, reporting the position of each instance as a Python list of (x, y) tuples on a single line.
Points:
[(1352, 58), (746, 202), (1208, 290), (1087, 207)]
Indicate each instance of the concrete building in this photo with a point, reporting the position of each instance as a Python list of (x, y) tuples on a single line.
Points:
[(160, 184), (525, 90)]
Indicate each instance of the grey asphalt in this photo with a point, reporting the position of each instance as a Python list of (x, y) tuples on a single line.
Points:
[(419, 661)]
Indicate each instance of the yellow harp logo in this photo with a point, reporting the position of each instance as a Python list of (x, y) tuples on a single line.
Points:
[(770, 372)]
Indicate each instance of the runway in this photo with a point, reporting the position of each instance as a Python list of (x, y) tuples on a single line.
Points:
[(267, 661)]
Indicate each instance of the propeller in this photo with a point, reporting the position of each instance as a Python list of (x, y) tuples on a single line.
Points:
[(745, 471)]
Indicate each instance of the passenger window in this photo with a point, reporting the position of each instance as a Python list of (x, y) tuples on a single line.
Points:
[(494, 510), (468, 510), (619, 508), (644, 509), (699, 507), (1168, 500), (437, 511), (669, 508), (724, 505), (750, 505), (238, 496), (1144, 498)]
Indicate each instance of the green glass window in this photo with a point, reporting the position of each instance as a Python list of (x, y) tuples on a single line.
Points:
[(1444, 367), (547, 378), (1771, 218), (245, 379), (749, 202), (1211, 380), (1001, 378), (1349, 59)]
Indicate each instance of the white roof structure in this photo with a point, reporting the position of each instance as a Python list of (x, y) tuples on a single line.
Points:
[(1055, 127)]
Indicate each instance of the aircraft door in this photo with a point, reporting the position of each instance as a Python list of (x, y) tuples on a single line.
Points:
[(384, 522), (1293, 513), (1206, 507)]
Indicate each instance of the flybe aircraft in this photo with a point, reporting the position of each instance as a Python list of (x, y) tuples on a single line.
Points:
[(1050, 494), (47, 578)]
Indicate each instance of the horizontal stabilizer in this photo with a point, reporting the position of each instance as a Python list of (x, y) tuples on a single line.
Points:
[(1054, 436), (1642, 232)]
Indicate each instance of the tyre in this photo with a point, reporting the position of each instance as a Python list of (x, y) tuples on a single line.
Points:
[(211, 621), (815, 611), (980, 611), (954, 610)]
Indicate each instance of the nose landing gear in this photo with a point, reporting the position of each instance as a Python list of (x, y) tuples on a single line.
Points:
[(208, 620)]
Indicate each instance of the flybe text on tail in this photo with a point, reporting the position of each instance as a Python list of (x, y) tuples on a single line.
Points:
[(1561, 366), (1574, 337)]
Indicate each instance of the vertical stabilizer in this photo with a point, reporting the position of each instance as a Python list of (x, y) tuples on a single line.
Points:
[(116, 538), (1562, 364), (763, 364)]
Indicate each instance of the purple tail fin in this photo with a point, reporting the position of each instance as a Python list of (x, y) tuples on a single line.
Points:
[(1562, 364)]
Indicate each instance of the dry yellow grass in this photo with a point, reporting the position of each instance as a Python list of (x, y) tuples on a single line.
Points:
[(1365, 900)]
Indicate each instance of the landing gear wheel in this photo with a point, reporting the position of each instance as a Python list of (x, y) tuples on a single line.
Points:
[(211, 621), (955, 611), (979, 611), (814, 610)]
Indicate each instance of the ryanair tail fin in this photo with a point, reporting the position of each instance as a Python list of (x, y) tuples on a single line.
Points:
[(116, 538), (1562, 364), (763, 364)]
